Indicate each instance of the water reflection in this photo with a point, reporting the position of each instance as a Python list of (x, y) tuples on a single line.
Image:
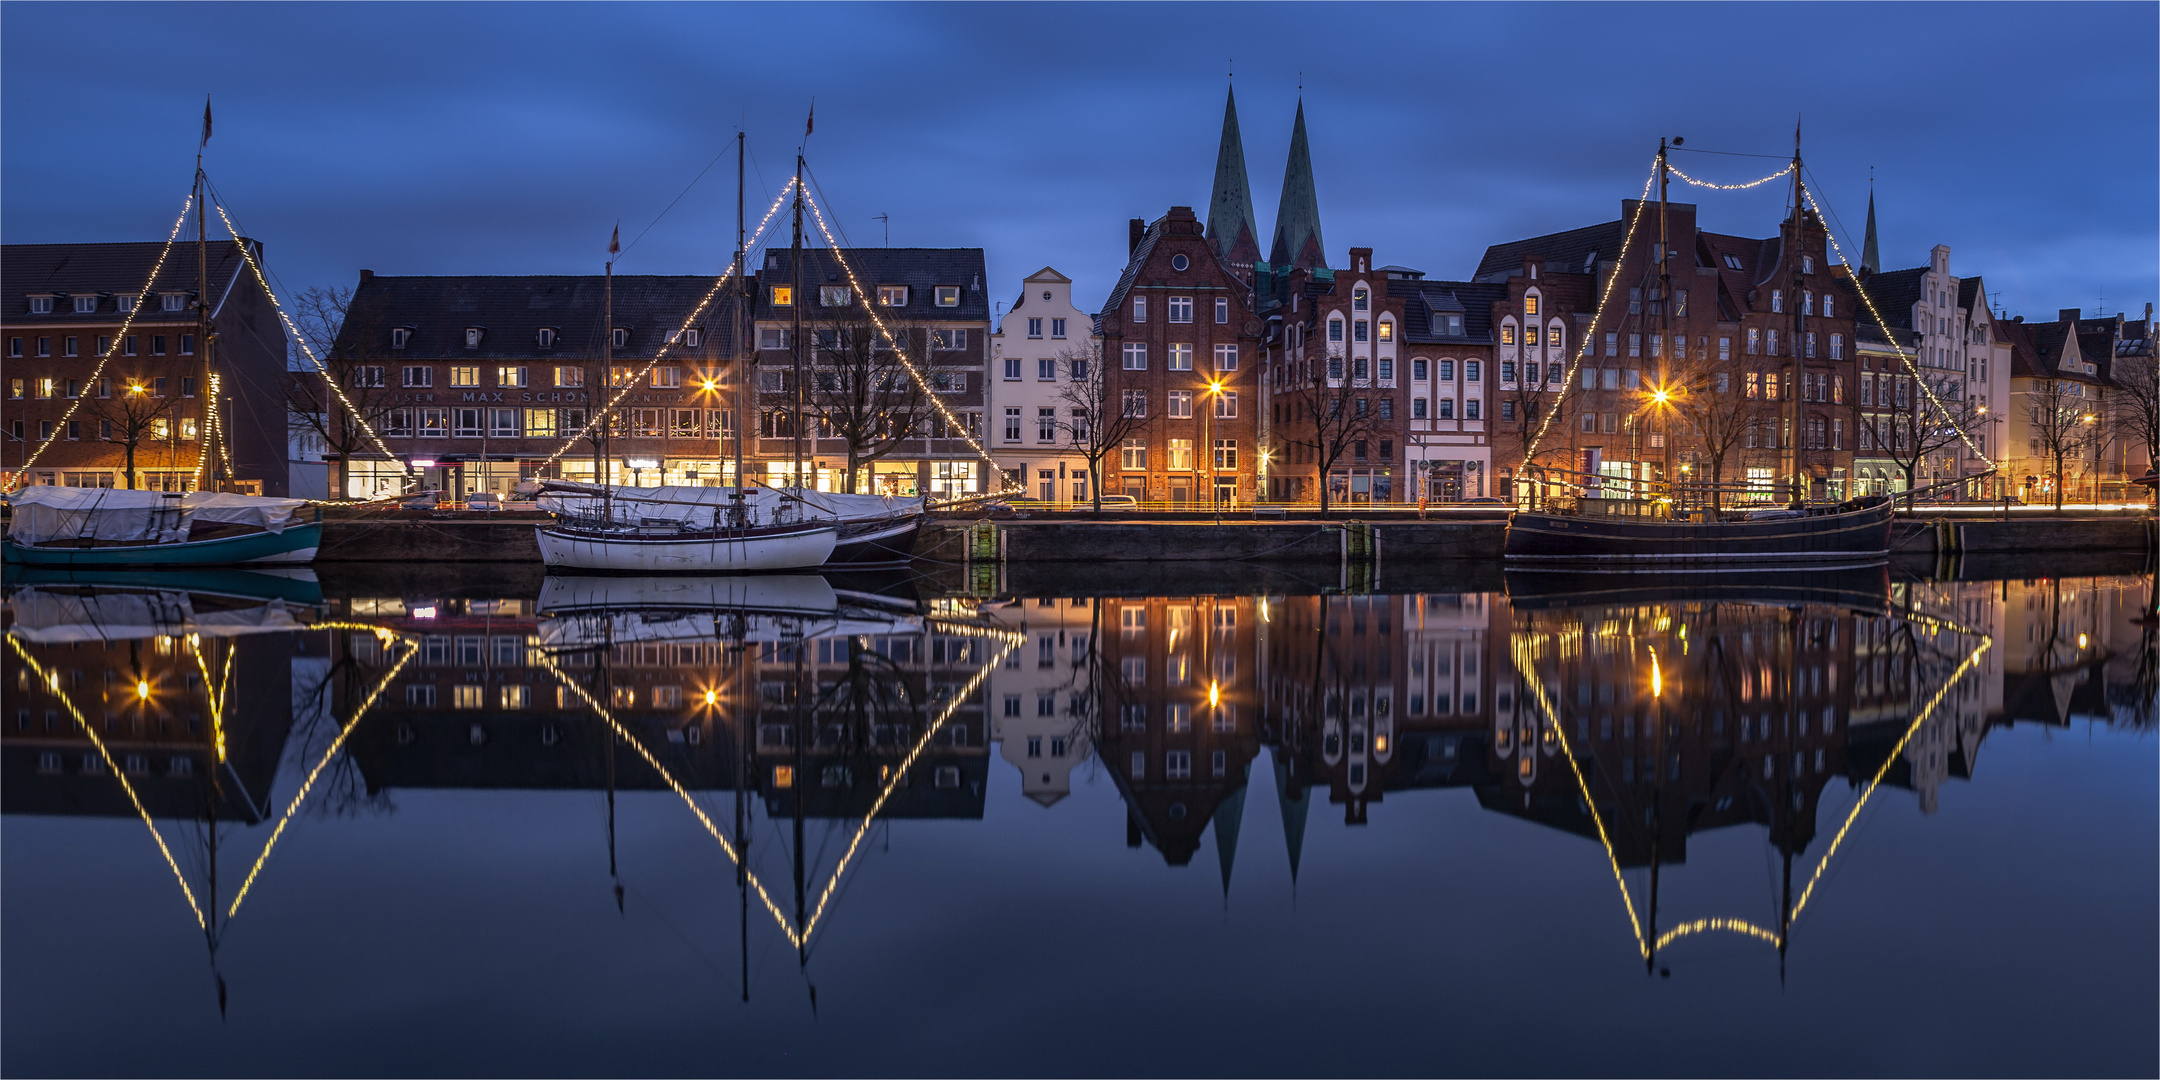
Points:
[(794, 719)]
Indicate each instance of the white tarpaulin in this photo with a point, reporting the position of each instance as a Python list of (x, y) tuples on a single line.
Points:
[(49, 618), (65, 513), (698, 506)]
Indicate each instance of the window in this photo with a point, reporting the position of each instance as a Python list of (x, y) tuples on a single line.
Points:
[(187, 344), (947, 295), (1226, 405), (1226, 358), (472, 336), (1507, 333), (1045, 371), (1012, 423), (1837, 342), (15, 346), (1507, 410), (1135, 403), (399, 338), (1773, 344), (783, 296), (664, 378), (503, 423), (1222, 310), (1470, 408), (569, 376), (948, 382), (1045, 425), (1180, 405), (1360, 331), (1132, 456), (955, 338), (465, 376), (1387, 408), (1447, 408), (1181, 355), (1417, 408), (41, 305), (1827, 311), (1470, 371), (365, 375), (1612, 343), (419, 376), (1334, 330), (512, 377), (1181, 309), (172, 301), (1034, 328), (1507, 371), (892, 295), (1553, 337), (1754, 341), (835, 296), (1136, 356), (104, 345), (546, 337), (1181, 455), (1057, 329), (1012, 369), (1360, 300), (67, 345), (465, 423), (1139, 309), (1447, 371), (622, 337)]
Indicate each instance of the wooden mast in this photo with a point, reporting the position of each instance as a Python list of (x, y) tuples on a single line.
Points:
[(795, 306), (207, 423), (1665, 302), (743, 329), (1794, 393)]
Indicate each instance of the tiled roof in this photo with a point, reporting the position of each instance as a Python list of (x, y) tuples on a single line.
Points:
[(70, 270), (920, 269), (1473, 299), (1140, 253), (512, 310), (1895, 292), (1569, 249), (1971, 293)]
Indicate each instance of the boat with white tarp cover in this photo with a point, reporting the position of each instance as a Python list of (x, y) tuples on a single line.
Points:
[(681, 528), (113, 527)]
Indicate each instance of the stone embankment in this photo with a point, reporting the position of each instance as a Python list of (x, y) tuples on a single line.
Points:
[(503, 538)]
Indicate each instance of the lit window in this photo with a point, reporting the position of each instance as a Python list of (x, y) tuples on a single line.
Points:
[(569, 376), (948, 296), (1530, 306), (510, 376), (835, 296), (1387, 330), (464, 376), (783, 296), (892, 296), (1181, 357)]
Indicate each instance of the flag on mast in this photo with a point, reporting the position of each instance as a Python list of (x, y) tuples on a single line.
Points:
[(614, 244), (206, 120), (810, 124)]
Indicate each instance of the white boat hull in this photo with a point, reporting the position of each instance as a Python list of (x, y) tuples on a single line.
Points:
[(793, 550)]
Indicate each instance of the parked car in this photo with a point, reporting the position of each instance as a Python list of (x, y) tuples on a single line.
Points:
[(1484, 500), (1120, 502), (483, 500)]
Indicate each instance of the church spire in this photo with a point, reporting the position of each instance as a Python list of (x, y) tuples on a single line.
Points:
[(1230, 213), (1870, 259), (1297, 219)]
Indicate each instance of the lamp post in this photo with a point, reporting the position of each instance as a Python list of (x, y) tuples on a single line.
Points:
[(1207, 446)]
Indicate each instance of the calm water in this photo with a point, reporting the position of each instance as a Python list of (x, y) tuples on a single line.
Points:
[(1836, 825)]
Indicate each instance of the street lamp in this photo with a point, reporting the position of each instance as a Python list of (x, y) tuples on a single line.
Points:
[(1207, 446)]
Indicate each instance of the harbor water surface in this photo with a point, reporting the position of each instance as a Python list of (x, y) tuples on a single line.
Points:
[(1862, 824)]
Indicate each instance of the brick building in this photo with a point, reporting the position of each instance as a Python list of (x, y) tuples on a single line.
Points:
[(71, 405), (1750, 322), (1180, 346)]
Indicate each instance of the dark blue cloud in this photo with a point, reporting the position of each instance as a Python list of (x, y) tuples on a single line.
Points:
[(510, 138)]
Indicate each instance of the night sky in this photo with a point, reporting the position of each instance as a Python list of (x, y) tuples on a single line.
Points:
[(506, 138)]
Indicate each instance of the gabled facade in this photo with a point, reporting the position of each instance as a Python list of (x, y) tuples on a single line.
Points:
[(70, 367), (1032, 358), (1180, 346)]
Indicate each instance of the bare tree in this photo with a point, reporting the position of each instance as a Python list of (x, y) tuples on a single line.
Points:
[(1917, 427), (1718, 414), (2062, 421), (2136, 404), (860, 390), (1333, 416), (131, 417), (1096, 424), (1523, 406), (350, 351)]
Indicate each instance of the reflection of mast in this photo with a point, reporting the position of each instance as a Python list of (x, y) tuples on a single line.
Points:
[(607, 694), (213, 794), (743, 768)]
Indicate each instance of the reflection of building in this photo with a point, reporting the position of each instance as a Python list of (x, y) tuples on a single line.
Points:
[(822, 718), (1179, 706), (1040, 699), (1681, 716), (153, 711)]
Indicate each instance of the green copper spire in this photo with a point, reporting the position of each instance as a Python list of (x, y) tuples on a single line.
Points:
[(1870, 259), (1230, 215), (1297, 219)]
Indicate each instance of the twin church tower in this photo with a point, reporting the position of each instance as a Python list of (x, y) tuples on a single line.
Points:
[(1230, 224)]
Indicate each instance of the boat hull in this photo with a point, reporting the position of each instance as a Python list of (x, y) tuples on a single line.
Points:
[(1636, 546), (293, 547), (789, 549), (877, 543)]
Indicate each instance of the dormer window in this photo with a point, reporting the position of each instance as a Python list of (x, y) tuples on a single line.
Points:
[(399, 336), (948, 296), (472, 337), (1360, 300), (622, 336), (85, 305), (783, 296), (124, 302), (1447, 324), (1732, 262), (835, 296), (892, 295), (690, 338), (41, 305), (546, 338), (172, 301)]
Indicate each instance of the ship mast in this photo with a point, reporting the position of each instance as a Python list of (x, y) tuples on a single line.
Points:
[(1794, 256), (743, 329), (214, 473), (1658, 418), (795, 306)]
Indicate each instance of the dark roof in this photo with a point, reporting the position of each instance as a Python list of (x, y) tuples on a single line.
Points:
[(1970, 293), (511, 311), (1895, 292), (71, 270), (920, 269), (1423, 299), (1140, 253), (1570, 249)]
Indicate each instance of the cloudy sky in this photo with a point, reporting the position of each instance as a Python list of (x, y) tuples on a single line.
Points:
[(506, 138)]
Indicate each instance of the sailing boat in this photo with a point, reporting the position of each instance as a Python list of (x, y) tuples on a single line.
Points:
[(1855, 532)]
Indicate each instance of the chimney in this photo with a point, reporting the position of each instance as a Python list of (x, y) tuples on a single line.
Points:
[(367, 275), (2068, 314), (1139, 229)]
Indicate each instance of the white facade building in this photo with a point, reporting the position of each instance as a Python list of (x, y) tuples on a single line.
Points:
[(1027, 428)]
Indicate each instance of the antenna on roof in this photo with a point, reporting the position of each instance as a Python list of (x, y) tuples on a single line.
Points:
[(887, 219)]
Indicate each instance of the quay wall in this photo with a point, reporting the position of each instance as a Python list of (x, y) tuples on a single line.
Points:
[(460, 540)]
